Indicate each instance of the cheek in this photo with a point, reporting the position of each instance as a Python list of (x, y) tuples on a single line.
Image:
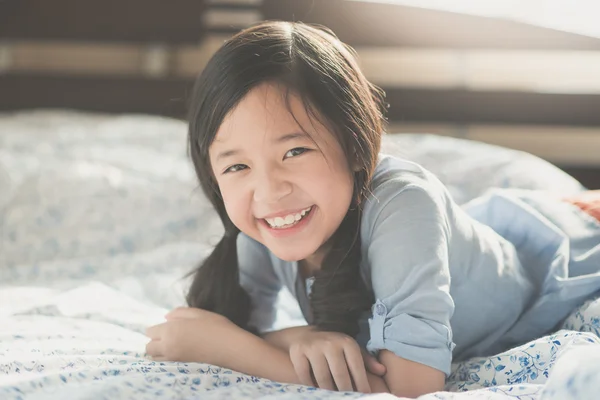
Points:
[(236, 204), (334, 190), (342, 196)]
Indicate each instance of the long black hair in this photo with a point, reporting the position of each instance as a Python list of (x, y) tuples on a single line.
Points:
[(313, 64)]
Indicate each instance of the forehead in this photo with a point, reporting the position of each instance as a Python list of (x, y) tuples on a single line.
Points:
[(263, 113)]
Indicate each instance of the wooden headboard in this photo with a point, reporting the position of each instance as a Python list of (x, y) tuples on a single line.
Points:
[(437, 67)]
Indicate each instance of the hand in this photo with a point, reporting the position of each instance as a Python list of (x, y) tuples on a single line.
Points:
[(588, 201), (190, 334), (333, 358)]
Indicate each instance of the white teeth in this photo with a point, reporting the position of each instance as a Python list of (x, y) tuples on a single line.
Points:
[(290, 219)]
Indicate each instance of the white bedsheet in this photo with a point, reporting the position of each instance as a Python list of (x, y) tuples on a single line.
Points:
[(100, 220)]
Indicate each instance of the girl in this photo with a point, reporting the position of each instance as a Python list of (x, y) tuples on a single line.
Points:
[(284, 135)]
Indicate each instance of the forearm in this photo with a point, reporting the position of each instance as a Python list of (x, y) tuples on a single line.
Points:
[(252, 355), (285, 337), (256, 356)]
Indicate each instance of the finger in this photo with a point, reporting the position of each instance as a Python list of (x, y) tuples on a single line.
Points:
[(154, 348), (373, 365), (356, 365), (320, 369), (339, 370), (302, 368), (154, 332)]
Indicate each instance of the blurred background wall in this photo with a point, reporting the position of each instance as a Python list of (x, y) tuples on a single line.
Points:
[(522, 74)]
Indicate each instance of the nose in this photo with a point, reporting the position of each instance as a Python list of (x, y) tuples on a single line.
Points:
[(271, 186)]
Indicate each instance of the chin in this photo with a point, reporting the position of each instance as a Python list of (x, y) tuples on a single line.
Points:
[(291, 254)]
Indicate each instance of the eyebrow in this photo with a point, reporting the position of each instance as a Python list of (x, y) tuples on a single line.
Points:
[(291, 136), (282, 139)]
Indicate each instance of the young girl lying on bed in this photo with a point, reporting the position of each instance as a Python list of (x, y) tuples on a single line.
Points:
[(394, 279)]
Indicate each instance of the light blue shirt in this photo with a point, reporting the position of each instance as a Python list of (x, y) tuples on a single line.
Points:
[(450, 282)]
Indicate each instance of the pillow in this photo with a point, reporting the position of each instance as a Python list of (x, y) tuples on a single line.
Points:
[(470, 168)]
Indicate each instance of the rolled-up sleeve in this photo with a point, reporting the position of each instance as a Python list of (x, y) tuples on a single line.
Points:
[(259, 280), (408, 260)]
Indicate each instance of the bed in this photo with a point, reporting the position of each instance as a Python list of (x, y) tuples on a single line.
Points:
[(101, 219)]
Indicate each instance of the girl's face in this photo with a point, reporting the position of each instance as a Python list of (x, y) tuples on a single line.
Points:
[(287, 190)]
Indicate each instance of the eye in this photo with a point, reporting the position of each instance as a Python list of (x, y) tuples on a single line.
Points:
[(296, 152), (235, 168)]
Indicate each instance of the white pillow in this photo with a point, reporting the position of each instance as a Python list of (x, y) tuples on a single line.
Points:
[(469, 168)]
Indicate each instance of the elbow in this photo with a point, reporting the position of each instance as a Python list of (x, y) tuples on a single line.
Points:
[(413, 391), (410, 379)]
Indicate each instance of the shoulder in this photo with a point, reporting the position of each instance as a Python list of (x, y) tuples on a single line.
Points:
[(404, 190), (252, 255), (245, 244)]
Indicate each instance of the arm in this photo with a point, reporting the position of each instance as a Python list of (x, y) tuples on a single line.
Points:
[(282, 339), (252, 355), (259, 280), (196, 335), (417, 379), (409, 265)]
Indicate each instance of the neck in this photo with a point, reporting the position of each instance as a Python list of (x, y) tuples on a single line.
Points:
[(311, 264), (308, 268)]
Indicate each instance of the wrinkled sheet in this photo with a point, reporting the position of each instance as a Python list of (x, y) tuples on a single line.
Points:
[(101, 218)]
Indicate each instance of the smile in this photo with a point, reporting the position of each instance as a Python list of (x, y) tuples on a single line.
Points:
[(288, 221)]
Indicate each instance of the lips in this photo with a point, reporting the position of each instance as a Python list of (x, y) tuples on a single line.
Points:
[(287, 220), (289, 230)]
